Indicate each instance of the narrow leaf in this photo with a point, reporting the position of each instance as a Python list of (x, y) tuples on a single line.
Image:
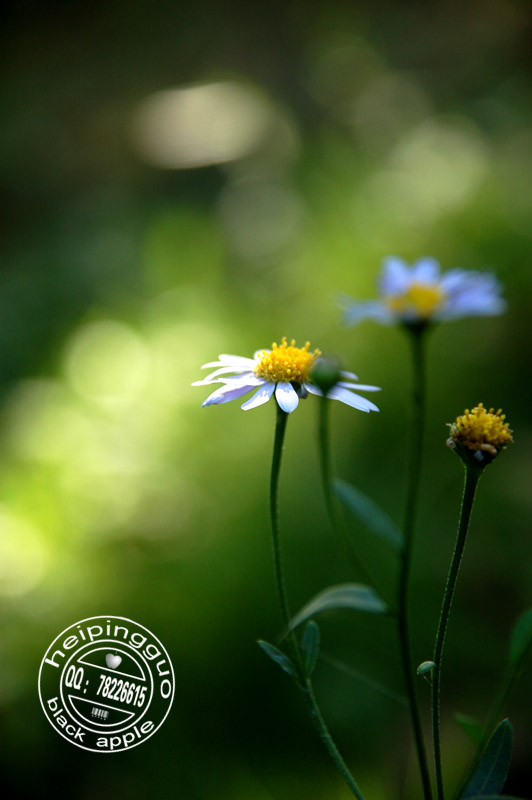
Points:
[(490, 775), (310, 646), (472, 727), (369, 514), (279, 657), (354, 596), (493, 797), (521, 638), (365, 679)]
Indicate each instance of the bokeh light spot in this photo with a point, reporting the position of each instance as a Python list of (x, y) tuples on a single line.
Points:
[(201, 125), (23, 556), (445, 159), (107, 361)]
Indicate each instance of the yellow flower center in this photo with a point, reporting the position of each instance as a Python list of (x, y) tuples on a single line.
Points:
[(286, 363), (420, 299), (482, 430)]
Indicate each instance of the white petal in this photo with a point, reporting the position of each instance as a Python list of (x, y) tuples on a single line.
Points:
[(313, 389), (204, 382), (472, 294), (238, 380), (395, 276), (262, 395), (226, 393), (286, 396), (350, 375), (226, 371), (426, 270), (473, 307), (352, 399), (483, 283), (360, 387), (454, 279), (368, 309), (247, 377), (230, 361)]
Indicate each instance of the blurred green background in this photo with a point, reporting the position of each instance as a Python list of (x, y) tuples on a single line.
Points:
[(180, 180)]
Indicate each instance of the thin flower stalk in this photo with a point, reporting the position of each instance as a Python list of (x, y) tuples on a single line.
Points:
[(472, 475), (304, 681), (417, 336), (280, 430), (335, 518), (477, 437)]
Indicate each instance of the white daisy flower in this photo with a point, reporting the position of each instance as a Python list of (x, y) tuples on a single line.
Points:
[(421, 293), (284, 371)]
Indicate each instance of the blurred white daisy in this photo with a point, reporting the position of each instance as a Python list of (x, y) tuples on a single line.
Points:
[(421, 293), (284, 371)]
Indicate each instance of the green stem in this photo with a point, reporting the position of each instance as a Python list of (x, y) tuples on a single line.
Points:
[(327, 740), (472, 475), (280, 429), (414, 473), (304, 681), (335, 519)]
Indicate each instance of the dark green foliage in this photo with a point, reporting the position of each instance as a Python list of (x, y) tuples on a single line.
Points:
[(490, 775), (310, 646), (369, 513), (521, 639), (279, 657), (353, 596)]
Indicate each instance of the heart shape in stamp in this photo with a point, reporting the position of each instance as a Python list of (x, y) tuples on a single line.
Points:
[(113, 661)]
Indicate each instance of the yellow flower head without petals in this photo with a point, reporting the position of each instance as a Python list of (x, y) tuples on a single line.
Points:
[(480, 434)]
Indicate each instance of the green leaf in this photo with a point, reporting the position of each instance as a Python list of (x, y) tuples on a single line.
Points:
[(425, 666), (472, 727), (521, 638), (490, 775), (493, 797), (279, 657), (310, 646), (369, 514), (365, 679), (354, 596)]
